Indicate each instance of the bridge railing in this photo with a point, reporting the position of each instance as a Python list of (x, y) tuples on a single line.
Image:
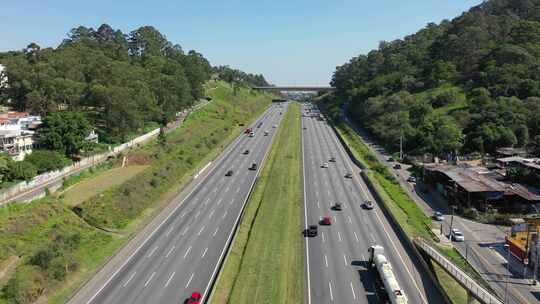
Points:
[(476, 290)]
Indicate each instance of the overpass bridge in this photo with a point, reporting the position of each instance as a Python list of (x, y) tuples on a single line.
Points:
[(296, 89)]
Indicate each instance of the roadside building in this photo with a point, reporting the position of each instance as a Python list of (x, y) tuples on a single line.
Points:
[(523, 239), (510, 151), (17, 133)]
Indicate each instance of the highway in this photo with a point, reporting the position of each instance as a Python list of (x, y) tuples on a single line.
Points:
[(182, 255), (336, 260)]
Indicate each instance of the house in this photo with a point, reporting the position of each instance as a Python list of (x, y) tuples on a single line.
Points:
[(17, 133), (93, 137), (3, 77)]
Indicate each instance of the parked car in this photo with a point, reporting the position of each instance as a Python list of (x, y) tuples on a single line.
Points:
[(337, 207), (411, 179), (195, 298), (326, 221), (311, 231), (229, 173), (246, 152), (397, 166), (368, 205), (391, 159), (348, 175), (438, 216), (456, 235), (253, 166), (324, 165)]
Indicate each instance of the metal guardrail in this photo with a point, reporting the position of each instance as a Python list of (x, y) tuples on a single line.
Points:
[(474, 289)]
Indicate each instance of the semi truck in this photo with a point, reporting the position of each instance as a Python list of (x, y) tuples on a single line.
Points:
[(388, 287)]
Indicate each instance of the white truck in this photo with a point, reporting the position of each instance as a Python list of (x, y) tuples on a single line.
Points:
[(385, 276)]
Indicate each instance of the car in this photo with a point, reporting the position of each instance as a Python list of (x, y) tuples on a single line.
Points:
[(391, 159), (253, 166), (337, 207), (252, 134), (438, 216), (411, 179), (195, 298), (274, 126), (246, 152), (324, 165), (229, 173), (265, 133), (348, 175), (332, 159), (304, 128), (368, 205), (456, 235), (397, 166), (326, 221), (311, 231)]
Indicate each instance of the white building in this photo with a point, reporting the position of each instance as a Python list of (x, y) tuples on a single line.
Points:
[(3, 77), (17, 130)]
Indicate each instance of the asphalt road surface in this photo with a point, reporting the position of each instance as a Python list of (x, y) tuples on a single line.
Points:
[(184, 253), (337, 258)]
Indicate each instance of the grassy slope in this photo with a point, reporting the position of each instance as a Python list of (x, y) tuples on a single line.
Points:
[(25, 229), (266, 261), (88, 188)]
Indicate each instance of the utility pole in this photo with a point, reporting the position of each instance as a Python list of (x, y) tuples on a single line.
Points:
[(451, 223), (401, 146), (537, 260), (507, 270)]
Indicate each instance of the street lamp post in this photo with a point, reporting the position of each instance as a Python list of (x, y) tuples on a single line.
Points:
[(508, 270), (451, 222)]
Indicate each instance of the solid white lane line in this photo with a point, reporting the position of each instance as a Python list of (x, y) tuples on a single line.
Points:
[(152, 252), (189, 281), (339, 236), (200, 231), (345, 260), (225, 214), (204, 252), (129, 280), (185, 230), (322, 233), (149, 279), (170, 251), (331, 295), (353, 293), (215, 232), (355, 236), (169, 231), (170, 278), (211, 213), (187, 252), (305, 218), (325, 260)]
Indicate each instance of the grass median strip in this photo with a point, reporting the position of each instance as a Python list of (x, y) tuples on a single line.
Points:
[(265, 264)]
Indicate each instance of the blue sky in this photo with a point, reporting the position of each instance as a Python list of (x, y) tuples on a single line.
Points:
[(294, 42)]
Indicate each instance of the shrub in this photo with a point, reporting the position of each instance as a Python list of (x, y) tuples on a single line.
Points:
[(26, 285), (45, 160), (22, 170)]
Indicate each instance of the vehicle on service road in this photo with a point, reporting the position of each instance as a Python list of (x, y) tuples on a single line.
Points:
[(229, 173), (195, 298), (397, 166), (456, 235), (368, 205), (438, 216), (387, 285), (411, 179), (326, 221)]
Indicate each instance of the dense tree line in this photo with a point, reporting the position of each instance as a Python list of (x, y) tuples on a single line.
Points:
[(467, 85), (119, 81), (234, 76)]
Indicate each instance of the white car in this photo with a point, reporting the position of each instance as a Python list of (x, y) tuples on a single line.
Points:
[(274, 126), (438, 216), (324, 165), (456, 235)]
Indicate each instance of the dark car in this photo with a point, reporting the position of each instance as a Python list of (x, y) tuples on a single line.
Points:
[(311, 231), (337, 207), (253, 166), (229, 173), (332, 159), (391, 159), (368, 205), (348, 175), (246, 152), (326, 221), (397, 166), (195, 298)]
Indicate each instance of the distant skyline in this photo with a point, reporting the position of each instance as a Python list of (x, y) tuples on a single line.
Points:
[(294, 42)]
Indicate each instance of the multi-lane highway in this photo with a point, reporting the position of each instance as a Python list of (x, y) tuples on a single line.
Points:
[(182, 255), (336, 260)]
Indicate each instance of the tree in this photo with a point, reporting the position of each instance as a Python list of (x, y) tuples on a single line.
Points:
[(21, 170), (65, 132), (45, 160)]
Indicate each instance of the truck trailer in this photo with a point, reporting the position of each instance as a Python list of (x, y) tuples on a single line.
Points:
[(386, 280)]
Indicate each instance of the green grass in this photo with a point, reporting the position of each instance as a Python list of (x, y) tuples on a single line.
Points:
[(265, 264), (456, 293), (90, 187), (28, 229)]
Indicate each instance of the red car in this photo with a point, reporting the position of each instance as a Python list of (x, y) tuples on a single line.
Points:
[(327, 221), (194, 299)]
